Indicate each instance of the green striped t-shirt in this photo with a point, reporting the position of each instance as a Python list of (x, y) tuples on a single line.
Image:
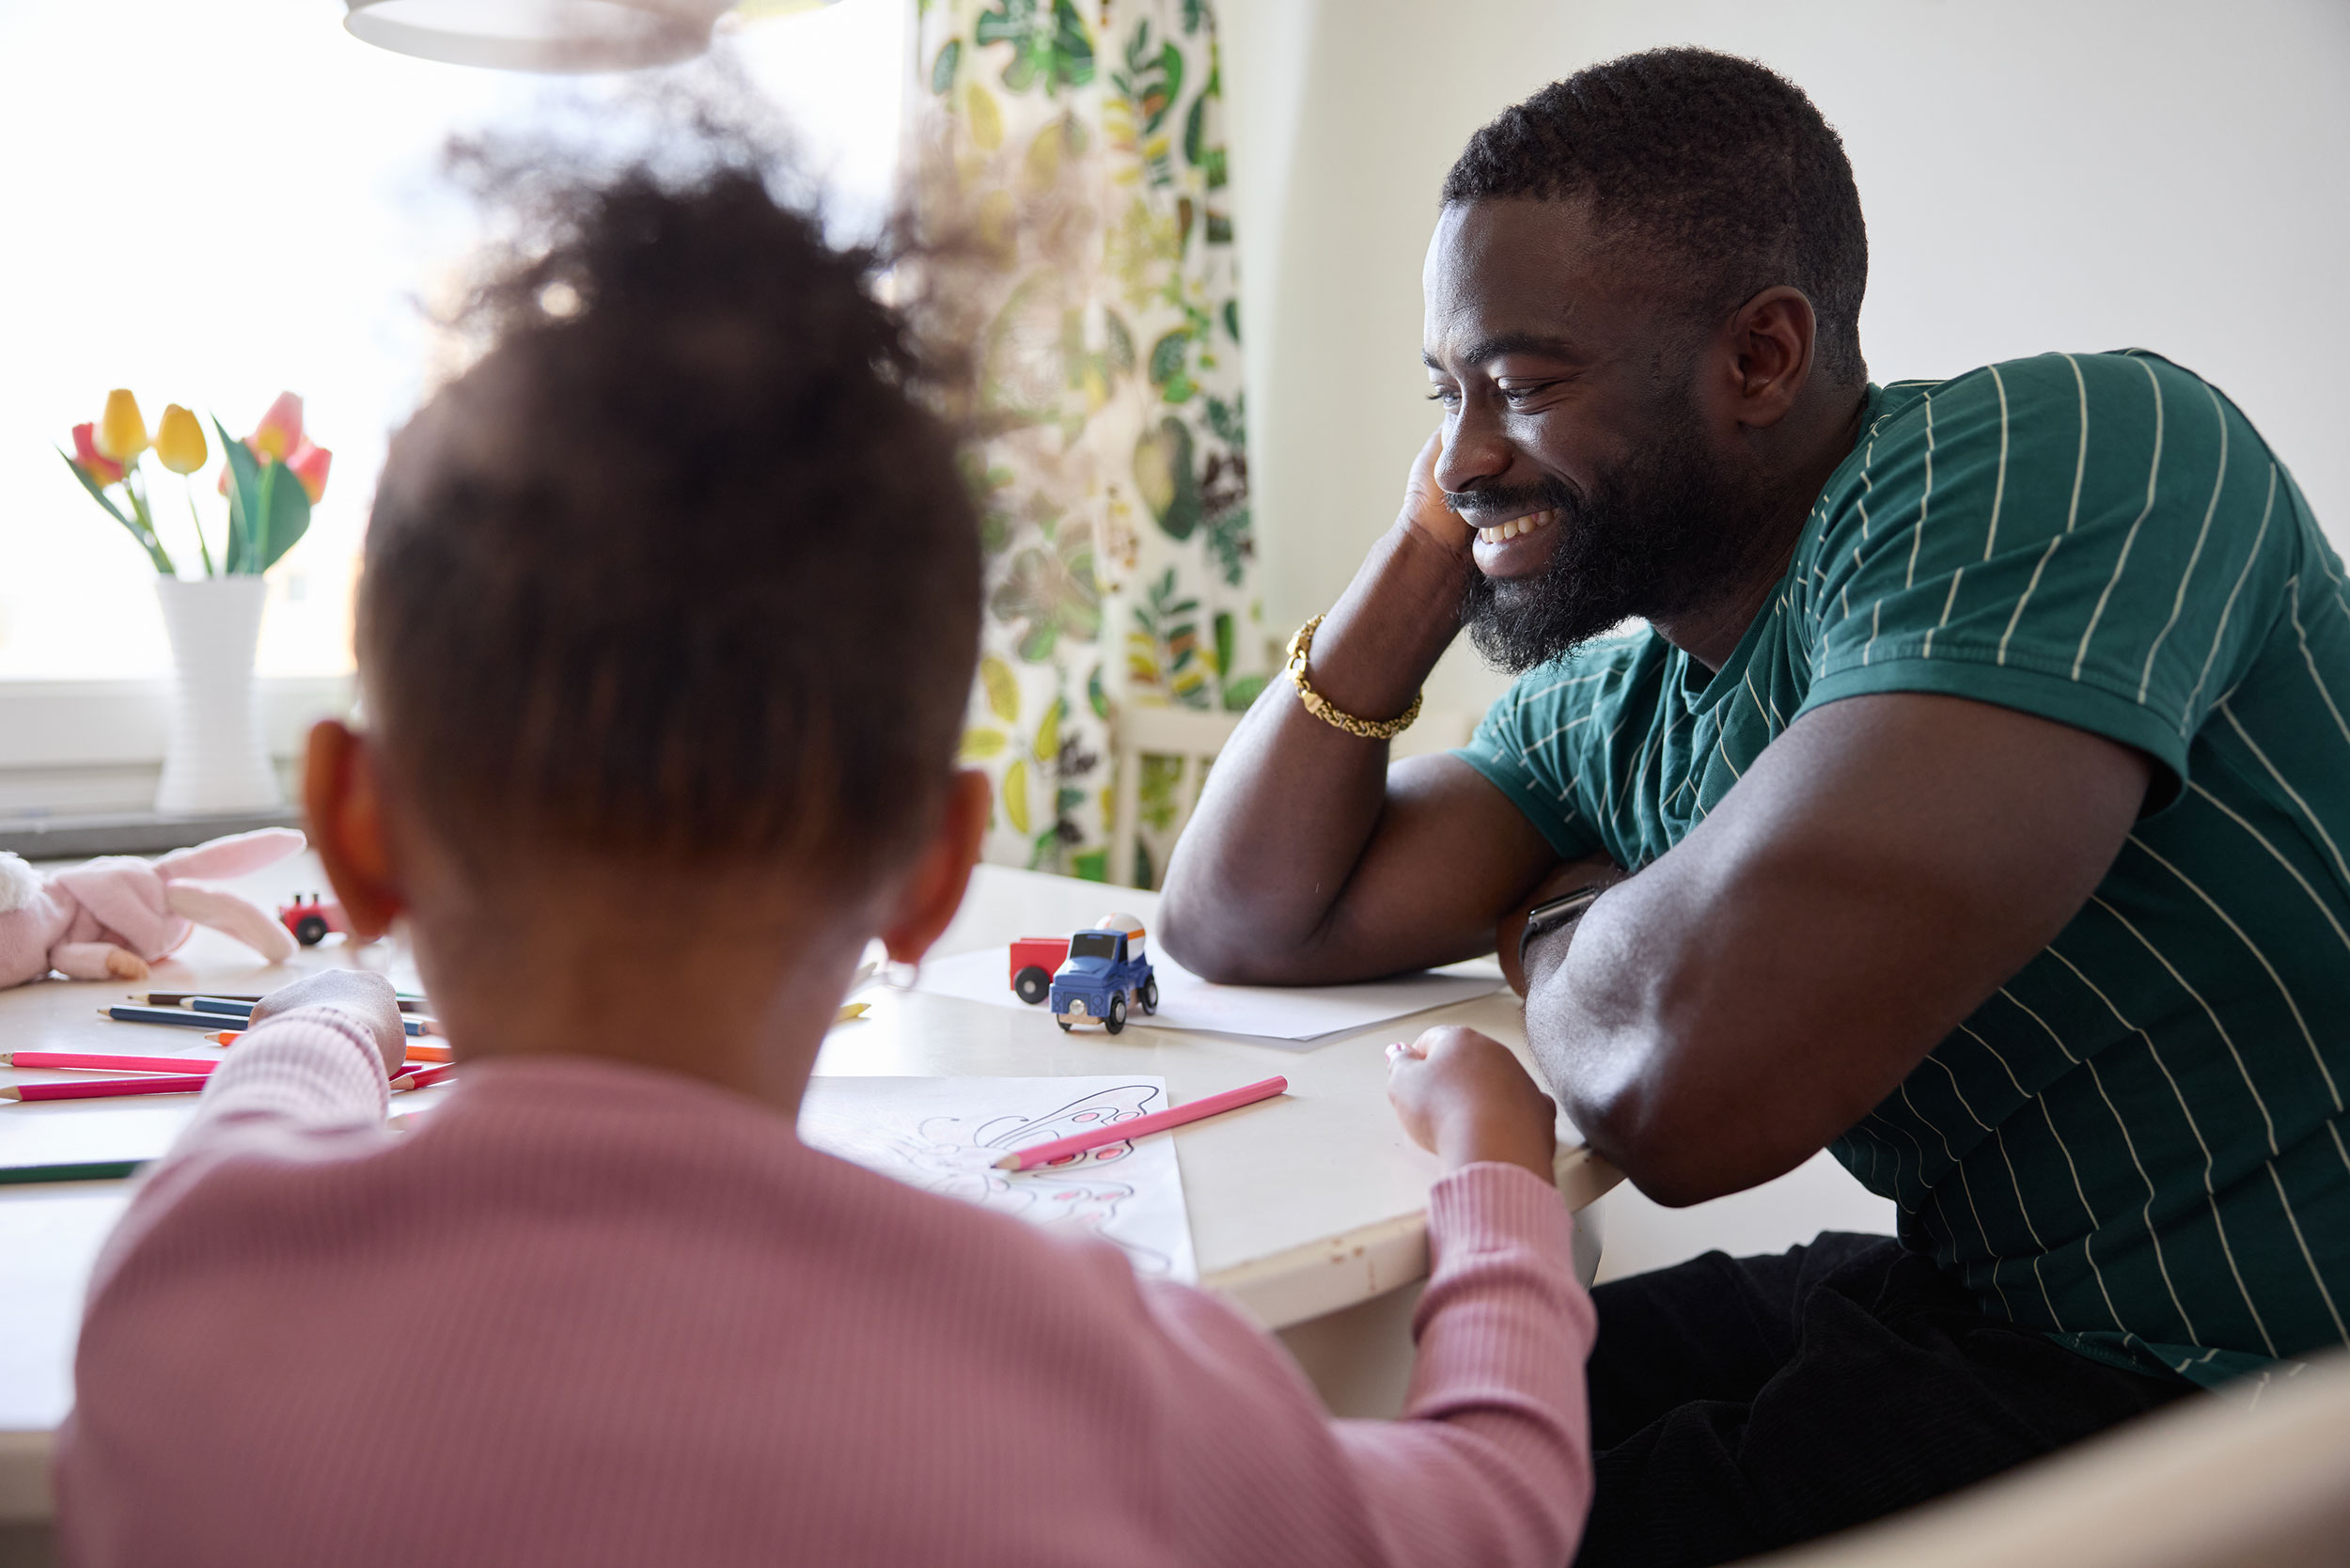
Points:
[(2135, 1143)]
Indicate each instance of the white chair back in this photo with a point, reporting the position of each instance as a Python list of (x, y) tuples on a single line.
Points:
[(1188, 734)]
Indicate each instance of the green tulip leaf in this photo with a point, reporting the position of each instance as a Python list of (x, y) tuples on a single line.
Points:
[(244, 505), (146, 541), (97, 492), (288, 507)]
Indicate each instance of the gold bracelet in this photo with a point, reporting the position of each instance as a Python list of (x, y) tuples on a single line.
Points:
[(1319, 705)]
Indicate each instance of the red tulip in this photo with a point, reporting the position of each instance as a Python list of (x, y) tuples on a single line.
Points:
[(280, 431), (309, 465), (90, 460)]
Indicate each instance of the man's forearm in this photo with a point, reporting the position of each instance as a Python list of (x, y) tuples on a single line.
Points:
[(1292, 799)]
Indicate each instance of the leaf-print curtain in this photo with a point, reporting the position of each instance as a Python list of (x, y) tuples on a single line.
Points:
[(1081, 148)]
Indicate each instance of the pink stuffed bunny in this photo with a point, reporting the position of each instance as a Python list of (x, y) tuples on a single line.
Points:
[(109, 919)]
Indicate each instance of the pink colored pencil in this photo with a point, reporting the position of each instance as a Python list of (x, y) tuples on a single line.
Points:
[(1120, 1132), (106, 1062), (100, 1089)]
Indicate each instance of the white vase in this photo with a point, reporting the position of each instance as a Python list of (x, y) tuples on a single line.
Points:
[(216, 763)]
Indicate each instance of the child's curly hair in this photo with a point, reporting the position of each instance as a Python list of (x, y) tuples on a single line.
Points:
[(683, 567)]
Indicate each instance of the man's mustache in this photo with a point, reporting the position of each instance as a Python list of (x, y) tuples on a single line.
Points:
[(1509, 500)]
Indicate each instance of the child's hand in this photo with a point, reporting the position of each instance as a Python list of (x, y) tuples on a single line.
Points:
[(367, 999), (1465, 1096)]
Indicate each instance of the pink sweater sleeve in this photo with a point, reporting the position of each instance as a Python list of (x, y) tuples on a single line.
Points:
[(306, 1082), (1491, 1464)]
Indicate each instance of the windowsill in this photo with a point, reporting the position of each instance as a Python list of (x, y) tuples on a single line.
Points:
[(83, 749), (61, 837)]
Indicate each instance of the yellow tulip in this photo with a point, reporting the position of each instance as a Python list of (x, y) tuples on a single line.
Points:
[(179, 440), (122, 430)]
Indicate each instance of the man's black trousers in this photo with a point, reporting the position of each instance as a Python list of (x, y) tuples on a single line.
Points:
[(1740, 1405)]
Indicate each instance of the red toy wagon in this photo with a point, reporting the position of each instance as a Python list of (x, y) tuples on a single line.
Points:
[(311, 918), (1035, 960)]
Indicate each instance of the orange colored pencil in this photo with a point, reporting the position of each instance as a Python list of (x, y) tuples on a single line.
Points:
[(436, 1055)]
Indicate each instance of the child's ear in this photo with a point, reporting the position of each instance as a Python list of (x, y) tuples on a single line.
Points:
[(933, 889), (344, 800)]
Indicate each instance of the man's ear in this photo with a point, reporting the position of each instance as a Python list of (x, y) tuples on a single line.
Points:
[(1771, 340), (933, 889), (343, 797)]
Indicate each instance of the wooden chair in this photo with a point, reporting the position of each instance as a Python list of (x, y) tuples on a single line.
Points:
[(1196, 738), (2214, 1480), (1188, 734)]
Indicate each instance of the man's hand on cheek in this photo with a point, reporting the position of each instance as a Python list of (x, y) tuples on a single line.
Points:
[(1425, 505)]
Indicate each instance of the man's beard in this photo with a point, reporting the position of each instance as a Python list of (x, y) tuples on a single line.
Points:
[(1662, 532)]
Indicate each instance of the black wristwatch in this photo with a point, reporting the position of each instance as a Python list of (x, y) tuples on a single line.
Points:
[(1550, 915)]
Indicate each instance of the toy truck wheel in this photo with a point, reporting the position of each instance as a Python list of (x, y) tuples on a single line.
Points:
[(1031, 985), (310, 930), (1066, 1026), (1116, 1017), (1151, 995)]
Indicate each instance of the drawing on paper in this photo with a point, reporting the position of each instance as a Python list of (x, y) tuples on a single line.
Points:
[(951, 1150)]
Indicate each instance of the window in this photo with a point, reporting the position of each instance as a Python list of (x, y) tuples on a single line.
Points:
[(211, 203), (1094, 945)]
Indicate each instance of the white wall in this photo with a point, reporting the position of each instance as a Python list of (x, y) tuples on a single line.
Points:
[(2037, 174)]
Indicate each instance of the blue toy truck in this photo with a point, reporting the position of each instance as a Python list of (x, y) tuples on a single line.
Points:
[(1104, 976)]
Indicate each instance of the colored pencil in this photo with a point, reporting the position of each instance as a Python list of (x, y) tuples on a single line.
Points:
[(177, 1017), (434, 1054), (420, 1077), (1120, 1132), (853, 1010), (88, 1170), (214, 1010), (100, 1089), (106, 1061), (410, 1001)]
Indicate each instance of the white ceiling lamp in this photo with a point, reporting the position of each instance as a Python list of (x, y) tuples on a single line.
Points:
[(548, 35)]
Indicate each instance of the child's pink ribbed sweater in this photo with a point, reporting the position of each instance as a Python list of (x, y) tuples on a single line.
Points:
[(593, 1314)]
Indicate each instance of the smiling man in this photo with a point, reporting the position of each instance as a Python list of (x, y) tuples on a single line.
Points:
[(1974, 803)]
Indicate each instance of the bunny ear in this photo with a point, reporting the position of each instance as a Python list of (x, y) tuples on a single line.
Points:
[(235, 855), (228, 912)]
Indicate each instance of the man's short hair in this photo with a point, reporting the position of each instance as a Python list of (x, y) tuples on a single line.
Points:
[(1719, 160), (683, 568)]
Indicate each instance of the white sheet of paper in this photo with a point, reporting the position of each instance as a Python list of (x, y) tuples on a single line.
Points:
[(1295, 1015), (944, 1135)]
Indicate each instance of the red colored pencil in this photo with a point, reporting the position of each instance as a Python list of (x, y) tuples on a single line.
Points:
[(1118, 1132), (99, 1088), (104, 1061), (420, 1077)]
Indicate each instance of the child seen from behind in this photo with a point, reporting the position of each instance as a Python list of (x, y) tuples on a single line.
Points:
[(669, 611)]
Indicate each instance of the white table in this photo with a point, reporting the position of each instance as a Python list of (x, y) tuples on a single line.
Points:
[(1301, 1207)]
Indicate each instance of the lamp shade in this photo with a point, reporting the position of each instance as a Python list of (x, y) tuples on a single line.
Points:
[(538, 35)]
